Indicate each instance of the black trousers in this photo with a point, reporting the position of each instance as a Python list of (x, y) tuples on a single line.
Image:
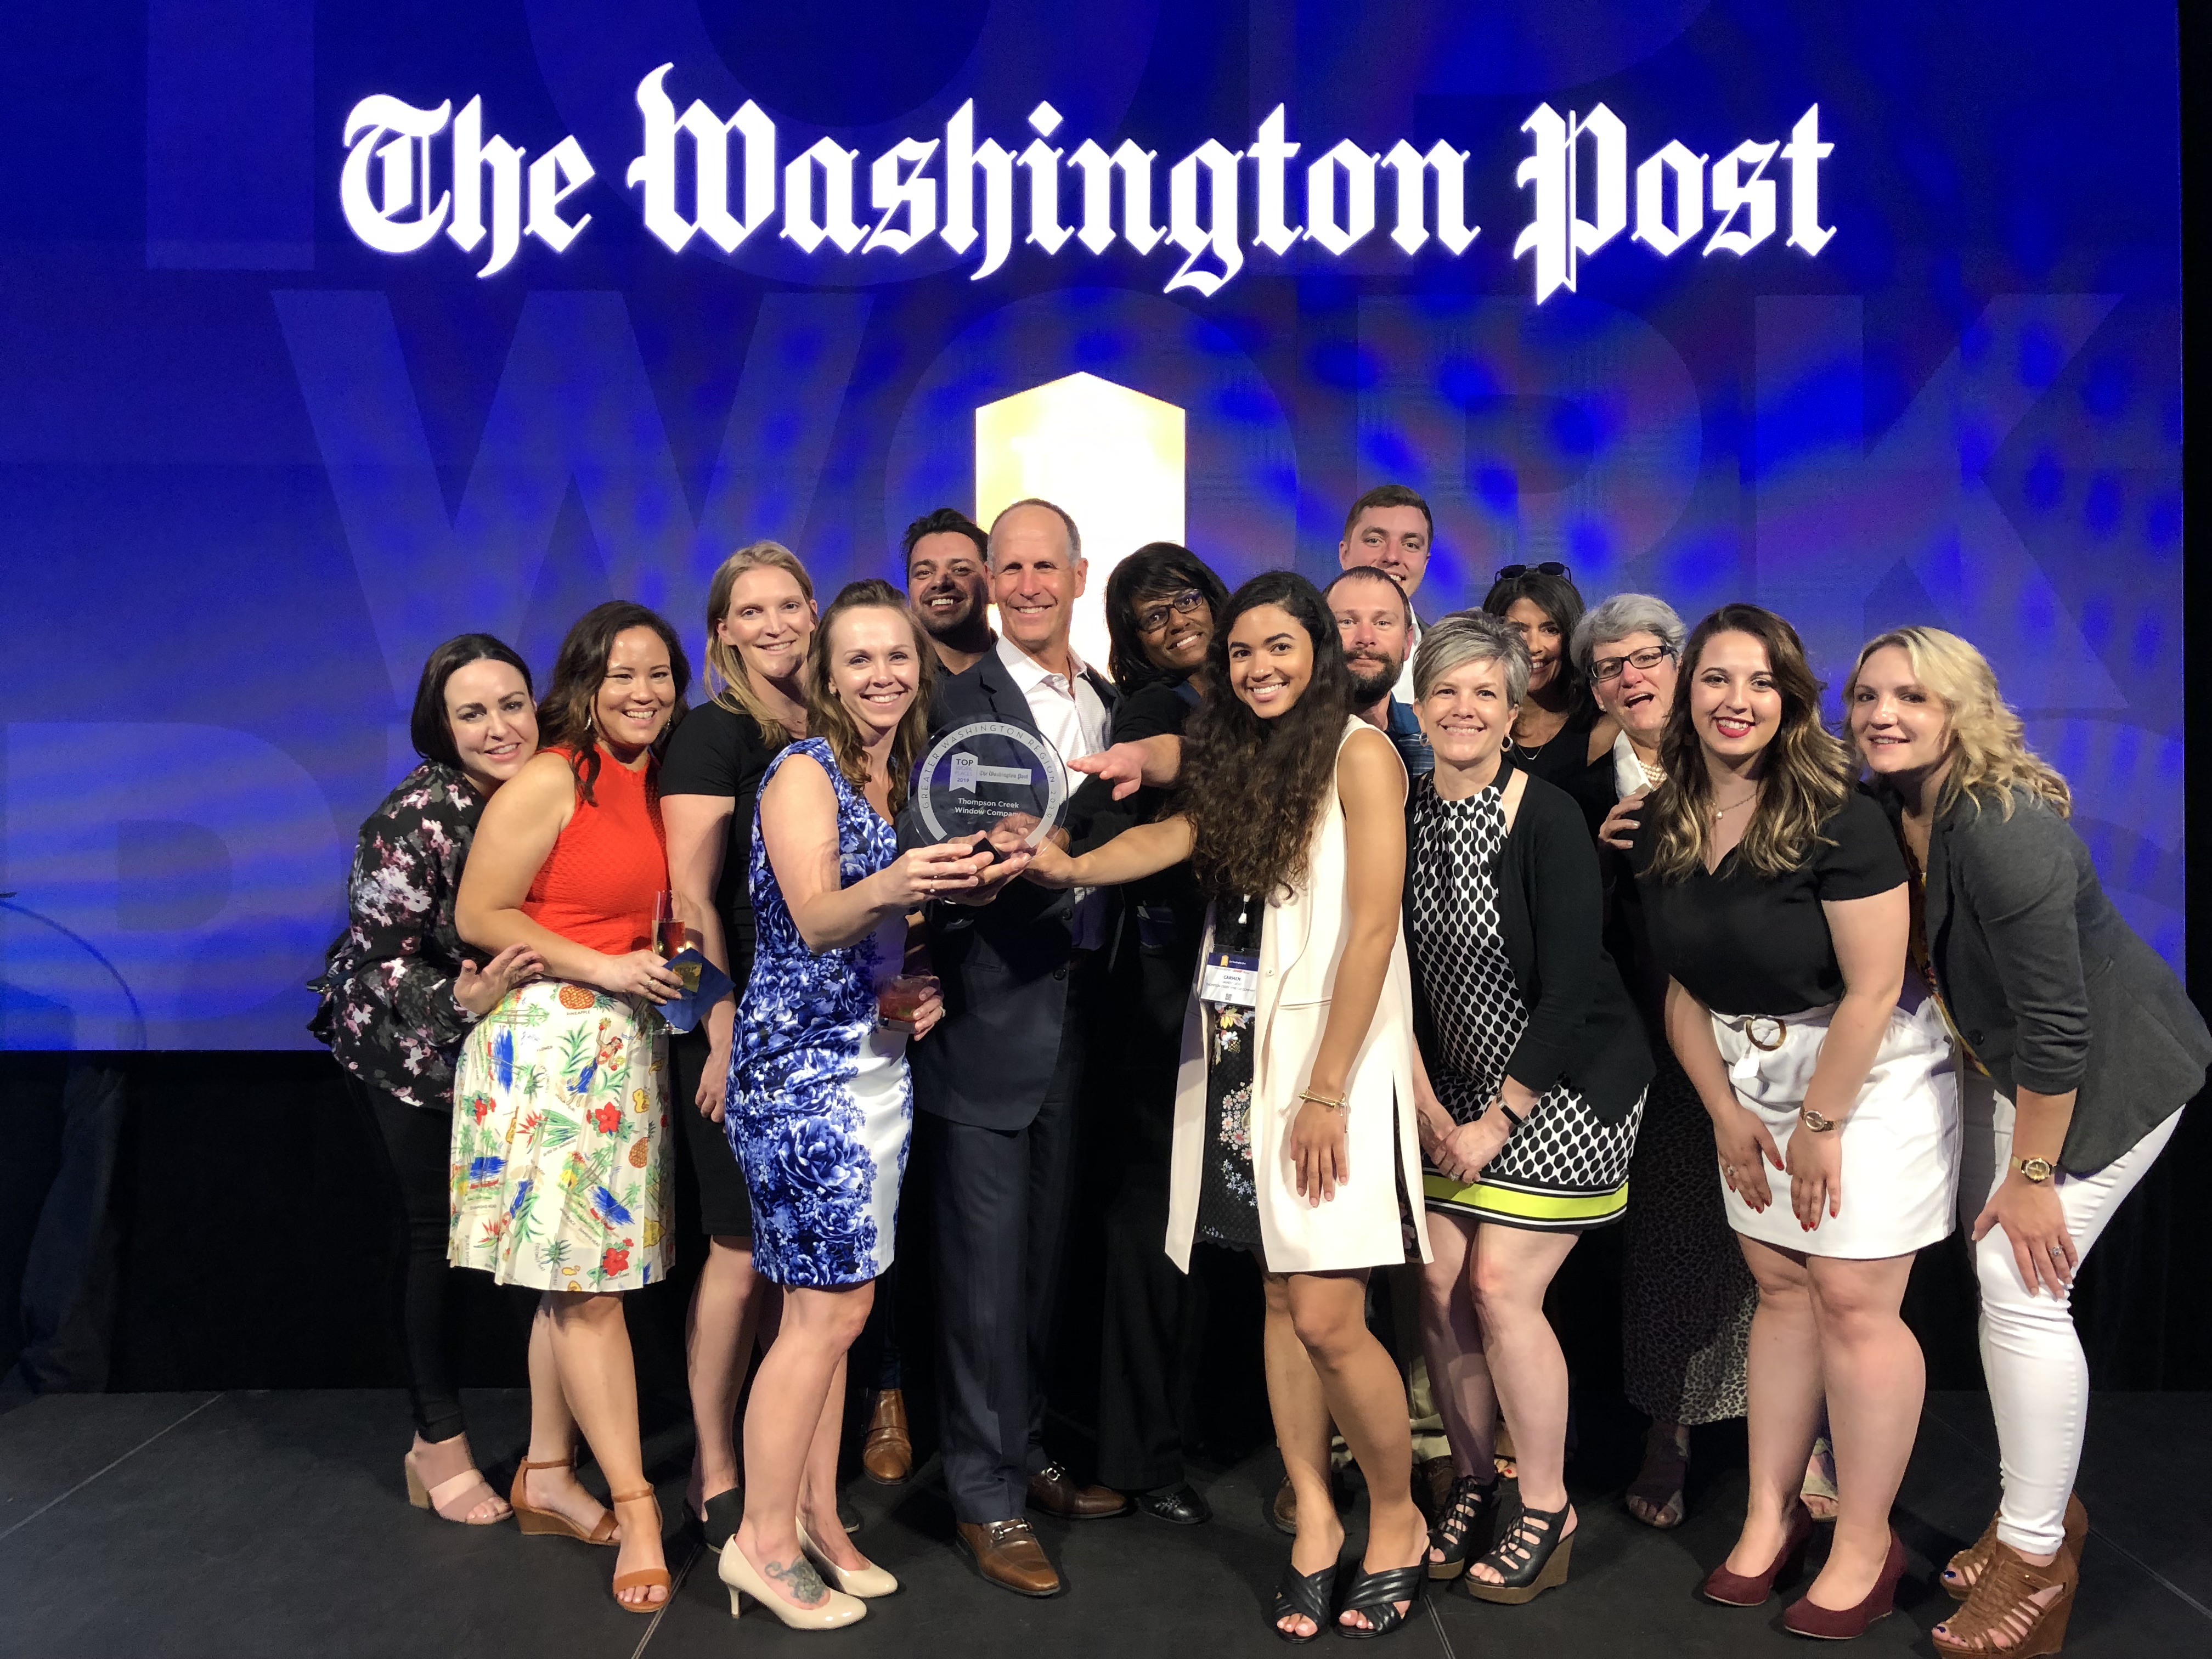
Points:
[(1000, 1200), (1154, 1339), (416, 1145)]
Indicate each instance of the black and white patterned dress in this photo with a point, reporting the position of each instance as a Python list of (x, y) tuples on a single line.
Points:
[(1564, 1169), (1228, 1200)]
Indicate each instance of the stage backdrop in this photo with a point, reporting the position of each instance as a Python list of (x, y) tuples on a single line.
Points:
[(328, 331)]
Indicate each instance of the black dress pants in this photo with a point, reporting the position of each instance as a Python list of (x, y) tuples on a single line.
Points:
[(999, 1200), (417, 1145)]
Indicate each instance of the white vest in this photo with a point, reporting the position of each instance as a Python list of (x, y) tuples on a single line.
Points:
[(1300, 937)]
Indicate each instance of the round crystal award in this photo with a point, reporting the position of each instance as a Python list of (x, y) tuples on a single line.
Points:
[(992, 779)]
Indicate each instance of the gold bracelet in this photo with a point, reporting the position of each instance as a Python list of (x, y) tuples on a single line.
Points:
[(1324, 1102)]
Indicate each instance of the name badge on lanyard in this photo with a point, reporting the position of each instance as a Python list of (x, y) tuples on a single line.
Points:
[(1230, 977)]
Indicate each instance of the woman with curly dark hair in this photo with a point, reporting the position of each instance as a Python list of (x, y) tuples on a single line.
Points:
[(1294, 1132), (1778, 905)]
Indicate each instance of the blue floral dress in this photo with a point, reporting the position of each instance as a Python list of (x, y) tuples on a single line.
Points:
[(820, 1104)]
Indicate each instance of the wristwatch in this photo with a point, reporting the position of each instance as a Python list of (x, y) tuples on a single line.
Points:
[(2035, 1170), (1817, 1123)]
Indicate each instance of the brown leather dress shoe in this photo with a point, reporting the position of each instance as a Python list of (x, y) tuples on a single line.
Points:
[(1284, 1511), (1053, 1490), (887, 1455), (1007, 1554)]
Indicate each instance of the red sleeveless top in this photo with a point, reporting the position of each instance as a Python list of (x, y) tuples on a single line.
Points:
[(597, 886)]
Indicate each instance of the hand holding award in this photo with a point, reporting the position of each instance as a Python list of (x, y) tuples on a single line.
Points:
[(999, 786)]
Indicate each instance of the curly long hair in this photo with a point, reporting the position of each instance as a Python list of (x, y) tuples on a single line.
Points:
[(564, 716), (828, 717), (1990, 755), (1253, 789), (1156, 570), (727, 680), (1808, 771)]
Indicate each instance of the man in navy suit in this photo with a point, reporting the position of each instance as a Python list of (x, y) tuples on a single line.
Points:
[(995, 1086)]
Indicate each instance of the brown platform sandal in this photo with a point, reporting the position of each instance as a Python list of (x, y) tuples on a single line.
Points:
[(1968, 1566), (551, 1521), (641, 1577), (2002, 1618)]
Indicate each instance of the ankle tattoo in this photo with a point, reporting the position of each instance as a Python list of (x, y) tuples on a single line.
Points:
[(798, 1578)]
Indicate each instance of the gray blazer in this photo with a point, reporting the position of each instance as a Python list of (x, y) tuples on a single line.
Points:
[(2052, 989)]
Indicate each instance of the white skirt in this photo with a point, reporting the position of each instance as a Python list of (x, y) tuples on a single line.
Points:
[(1900, 1144)]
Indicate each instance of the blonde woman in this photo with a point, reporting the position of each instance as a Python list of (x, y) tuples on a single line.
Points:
[(820, 1102), (1777, 906), (760, 621), (2080, 1047)]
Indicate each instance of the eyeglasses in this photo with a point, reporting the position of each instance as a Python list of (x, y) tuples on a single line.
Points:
[(1608, 668), (1152, 621), (1549, 568)]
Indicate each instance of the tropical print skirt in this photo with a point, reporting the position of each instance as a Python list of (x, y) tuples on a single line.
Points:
[(562, 1143)]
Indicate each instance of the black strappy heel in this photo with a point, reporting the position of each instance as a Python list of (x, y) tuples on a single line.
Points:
[(1378, 1596), (1538, 1558), (1302, 1595), (1460, 1520)]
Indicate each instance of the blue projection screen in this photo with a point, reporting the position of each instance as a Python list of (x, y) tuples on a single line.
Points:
[(332, 331)]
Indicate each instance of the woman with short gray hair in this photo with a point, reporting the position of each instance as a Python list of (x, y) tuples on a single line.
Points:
[(1527, 1086), (1686, 1297)]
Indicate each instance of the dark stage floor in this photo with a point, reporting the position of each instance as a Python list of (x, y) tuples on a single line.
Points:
[(241, 1524)]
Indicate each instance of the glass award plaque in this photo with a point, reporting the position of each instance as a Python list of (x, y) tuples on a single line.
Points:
[(992, 780)]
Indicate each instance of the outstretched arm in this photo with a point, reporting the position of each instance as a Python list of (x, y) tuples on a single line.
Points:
[(1130, 856)]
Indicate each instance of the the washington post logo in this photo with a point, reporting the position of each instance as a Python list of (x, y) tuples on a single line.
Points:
[(412, 174)]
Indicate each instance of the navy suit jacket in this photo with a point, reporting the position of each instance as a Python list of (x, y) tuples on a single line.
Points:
[(1004, 965)]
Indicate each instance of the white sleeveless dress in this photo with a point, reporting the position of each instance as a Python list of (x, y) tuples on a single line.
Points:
[(1300, 938)]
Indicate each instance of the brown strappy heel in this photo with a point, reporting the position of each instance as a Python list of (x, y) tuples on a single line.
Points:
[(1967, 1567), (2002, 1618), (641, 1577), (551, 1521)]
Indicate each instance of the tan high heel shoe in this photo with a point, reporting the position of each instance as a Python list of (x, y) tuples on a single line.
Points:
[(1967, 1567), (836, 1611), (423, 1496), (551, 1521), (2002, 1620), (641, 1577), (866, 1582)]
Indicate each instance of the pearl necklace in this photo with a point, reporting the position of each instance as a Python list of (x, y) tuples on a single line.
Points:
[(1733, 804)]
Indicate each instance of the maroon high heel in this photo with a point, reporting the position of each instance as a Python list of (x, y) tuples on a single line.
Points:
[(1737, 1590), (1806, 1617)]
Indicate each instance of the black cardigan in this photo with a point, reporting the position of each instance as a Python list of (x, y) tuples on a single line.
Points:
[(2049, 986), (1582, 1029)]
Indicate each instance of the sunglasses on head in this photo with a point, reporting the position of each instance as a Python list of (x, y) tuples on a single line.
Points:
[(1549, 568)]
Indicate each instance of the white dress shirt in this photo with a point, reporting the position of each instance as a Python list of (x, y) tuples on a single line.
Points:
[(1404, 691), (1073, 718)]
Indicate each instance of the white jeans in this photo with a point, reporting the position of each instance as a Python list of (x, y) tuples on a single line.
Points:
[(2039, 1378)]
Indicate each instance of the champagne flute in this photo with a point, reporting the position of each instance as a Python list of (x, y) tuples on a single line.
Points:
[(667, 924)]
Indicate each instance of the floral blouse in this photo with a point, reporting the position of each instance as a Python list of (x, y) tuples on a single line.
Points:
[(387, 1010)]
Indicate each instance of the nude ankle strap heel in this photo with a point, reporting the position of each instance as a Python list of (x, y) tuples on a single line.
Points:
[(549, 1522)]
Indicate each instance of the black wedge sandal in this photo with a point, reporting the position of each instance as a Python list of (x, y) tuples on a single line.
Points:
[(1378, 1596), (1302, 1595), (1465, 1522), (1530, 1558)]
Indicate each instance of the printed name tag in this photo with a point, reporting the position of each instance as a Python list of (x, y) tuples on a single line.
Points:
[(1230, 977)]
